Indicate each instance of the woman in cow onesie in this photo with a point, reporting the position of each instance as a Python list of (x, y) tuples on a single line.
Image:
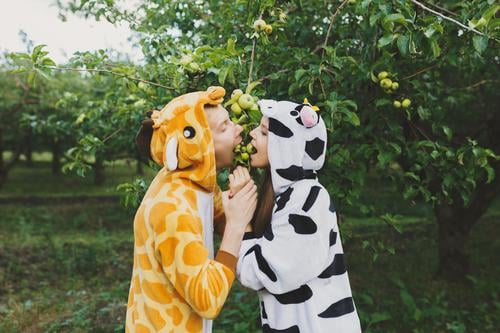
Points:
[(297, 264)]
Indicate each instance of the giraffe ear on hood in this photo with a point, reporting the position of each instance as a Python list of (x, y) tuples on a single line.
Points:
[(170, 159)]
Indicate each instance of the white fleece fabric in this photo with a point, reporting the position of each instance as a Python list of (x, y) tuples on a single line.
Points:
[(297, 266)]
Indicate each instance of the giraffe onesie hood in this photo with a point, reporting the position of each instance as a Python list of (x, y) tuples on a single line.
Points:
[(177, 284)]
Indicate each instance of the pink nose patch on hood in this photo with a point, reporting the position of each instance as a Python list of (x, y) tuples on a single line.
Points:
[(308, 116)]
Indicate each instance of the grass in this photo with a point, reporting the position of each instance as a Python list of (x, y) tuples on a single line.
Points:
[(38, 180), (67, 267)]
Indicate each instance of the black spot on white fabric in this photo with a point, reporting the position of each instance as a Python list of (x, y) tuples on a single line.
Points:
[(337, 267), (302, 224), (311, 198), (283, 198), (332, 207), (279, 129), (268, 233), (292, 329), (337, 309), (299, 295), (248, 235), (333, 237), (263, 310), (299, 120), (295, 173), (262, 263), (315, 148)]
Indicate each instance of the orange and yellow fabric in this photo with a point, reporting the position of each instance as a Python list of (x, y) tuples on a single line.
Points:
[(178, 284)]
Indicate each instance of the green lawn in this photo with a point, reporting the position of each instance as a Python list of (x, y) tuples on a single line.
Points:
[(66, 267)]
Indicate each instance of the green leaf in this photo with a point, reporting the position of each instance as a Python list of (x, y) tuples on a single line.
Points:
[(386, 40), (36, 52), (231, 46), (398, 18), (251, 86), (223, 75), (448, 132), (436, 50), (480, 43), (403, 43)]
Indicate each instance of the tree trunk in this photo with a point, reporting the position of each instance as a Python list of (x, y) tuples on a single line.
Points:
[(28, 151), (3, 175), (453, 232), (455, 222), (5, 166), (56, 158), (98, 170)]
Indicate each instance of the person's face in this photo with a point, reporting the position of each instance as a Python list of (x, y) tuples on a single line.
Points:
[(225, 133), (259, 140)]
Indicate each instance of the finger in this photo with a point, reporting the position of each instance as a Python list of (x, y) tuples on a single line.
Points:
[(239, 172), (251, 191), (246, 174), (247, 188)]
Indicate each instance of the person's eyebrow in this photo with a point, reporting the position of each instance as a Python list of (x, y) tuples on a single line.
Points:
[(222, 122)]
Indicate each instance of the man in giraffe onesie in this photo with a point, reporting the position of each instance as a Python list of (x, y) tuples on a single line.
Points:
[(178, 283)]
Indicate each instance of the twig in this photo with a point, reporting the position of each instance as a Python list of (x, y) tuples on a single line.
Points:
[(477, 84), (419, 72), (451, 20), (267, 77), (332, 19), (96, 70), (112, 134), (252, 58)]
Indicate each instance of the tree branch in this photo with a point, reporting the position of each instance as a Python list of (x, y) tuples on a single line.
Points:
[(332, 19), (451, 20), (96, 70)]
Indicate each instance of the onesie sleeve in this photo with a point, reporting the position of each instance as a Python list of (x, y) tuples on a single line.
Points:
[(293, 250)]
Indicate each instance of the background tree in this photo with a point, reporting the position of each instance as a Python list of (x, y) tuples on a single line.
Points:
[(407, 90)]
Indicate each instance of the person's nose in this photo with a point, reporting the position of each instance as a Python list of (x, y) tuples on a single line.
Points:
[(252, 134), (239, 129)]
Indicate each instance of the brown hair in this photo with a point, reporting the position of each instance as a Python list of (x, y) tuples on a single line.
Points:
[(264, 211), (143, 137)]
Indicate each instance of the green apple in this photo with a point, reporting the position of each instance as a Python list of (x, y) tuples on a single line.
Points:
[(245, 156), (259, 25), (236, 94), (397, 104), (268, 29), (406, 103), (194, 67), (236, 108), (386, 83), (250, 148), (243, 149), (245, 101), (382, 75), (395, 86)]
